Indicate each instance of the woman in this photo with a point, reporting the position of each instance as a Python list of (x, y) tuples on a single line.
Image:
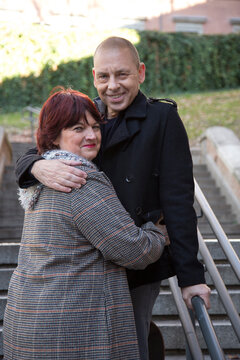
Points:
[(69, 298)]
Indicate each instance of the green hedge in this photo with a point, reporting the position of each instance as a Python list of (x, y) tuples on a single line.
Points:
[(36, 59)]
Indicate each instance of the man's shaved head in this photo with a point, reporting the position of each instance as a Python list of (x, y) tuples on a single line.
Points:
[(119, 43)]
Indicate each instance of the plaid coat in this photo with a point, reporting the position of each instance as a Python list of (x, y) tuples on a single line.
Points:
[(69, 296)]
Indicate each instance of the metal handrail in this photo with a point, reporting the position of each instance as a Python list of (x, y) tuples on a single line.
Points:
[(186, 321), (208, 332), (218, 230), (192, 342), (220, 286), (210, 265)]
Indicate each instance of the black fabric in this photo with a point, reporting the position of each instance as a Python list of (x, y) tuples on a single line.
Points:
[(108, 129), (149, 163)]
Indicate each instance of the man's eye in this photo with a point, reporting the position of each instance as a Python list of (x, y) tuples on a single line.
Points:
[(102, 77)]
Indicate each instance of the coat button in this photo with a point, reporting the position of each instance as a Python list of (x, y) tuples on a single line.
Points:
[(129, 178), (138, 210)]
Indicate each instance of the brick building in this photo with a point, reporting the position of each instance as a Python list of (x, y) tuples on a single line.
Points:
[(202, 17), (198, 16)]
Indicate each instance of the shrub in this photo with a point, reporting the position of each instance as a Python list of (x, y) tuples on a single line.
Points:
[(36, 58)]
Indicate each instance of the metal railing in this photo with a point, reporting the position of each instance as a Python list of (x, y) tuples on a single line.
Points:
[(208, 332), (32, 116), (193, 348), (218, 230)]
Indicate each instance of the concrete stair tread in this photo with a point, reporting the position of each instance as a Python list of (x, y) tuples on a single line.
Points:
[(173, 329)]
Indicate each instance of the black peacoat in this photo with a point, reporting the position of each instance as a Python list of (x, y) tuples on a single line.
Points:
[(149, 163)]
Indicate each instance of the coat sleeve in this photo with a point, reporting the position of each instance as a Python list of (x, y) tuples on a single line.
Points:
[(23, 168), (104, 222), (177, 197)]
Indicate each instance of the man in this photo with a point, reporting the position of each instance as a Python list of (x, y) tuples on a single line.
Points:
[(145, 153)]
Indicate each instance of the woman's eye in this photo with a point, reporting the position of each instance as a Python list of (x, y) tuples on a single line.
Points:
[(79, 128)]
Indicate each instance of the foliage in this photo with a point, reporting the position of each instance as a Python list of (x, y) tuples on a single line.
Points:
[(187, 62), (35, 58)]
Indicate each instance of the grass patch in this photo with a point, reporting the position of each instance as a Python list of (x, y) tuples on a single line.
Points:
[(202, 110), (197, 110)]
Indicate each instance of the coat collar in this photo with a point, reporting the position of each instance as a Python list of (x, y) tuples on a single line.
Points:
[(129, 119)]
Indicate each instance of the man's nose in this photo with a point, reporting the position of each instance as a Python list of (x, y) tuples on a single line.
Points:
[(113, 83)]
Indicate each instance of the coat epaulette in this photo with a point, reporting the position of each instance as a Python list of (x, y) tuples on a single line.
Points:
[(166, 100)]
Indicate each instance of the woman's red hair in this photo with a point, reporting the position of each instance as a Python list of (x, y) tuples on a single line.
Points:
[(63, 109)]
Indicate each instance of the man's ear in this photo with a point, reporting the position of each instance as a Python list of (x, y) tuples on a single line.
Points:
[(141, 72), (94, 77)]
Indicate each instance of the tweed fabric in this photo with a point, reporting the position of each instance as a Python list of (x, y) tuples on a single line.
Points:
[(69, 297)]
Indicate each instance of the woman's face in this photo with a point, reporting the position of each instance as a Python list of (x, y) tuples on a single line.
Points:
[(83, 139)]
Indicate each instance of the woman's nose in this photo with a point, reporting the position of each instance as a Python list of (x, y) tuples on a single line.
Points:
[(90, 134)]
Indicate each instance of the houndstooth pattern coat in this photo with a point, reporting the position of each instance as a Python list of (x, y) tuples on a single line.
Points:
[(69, 298)]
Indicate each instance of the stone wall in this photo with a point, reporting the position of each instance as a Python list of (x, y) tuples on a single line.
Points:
[(221, 151)]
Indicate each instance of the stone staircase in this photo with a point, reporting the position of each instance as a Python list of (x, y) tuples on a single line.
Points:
[(164, 313)]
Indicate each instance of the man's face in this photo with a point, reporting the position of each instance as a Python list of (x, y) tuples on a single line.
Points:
[(117, 78)]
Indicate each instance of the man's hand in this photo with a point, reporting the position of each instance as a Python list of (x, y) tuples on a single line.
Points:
[(59, 174), (201, 289)]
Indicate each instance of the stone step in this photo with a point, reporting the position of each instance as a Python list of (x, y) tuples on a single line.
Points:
[(216, 251), (165, 304), (174, 337), (226, 272), (5, 276), (207, 182), (210, 189), (221, 216), (215, 200), (8, 233), (19, 149), (7, 221), (200, 167), (232, 230), (9, 194), (9, 251), (216, 207), (3, 302)]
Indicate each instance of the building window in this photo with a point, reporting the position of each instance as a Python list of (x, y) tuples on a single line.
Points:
[(235, 22), (193, 24)]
